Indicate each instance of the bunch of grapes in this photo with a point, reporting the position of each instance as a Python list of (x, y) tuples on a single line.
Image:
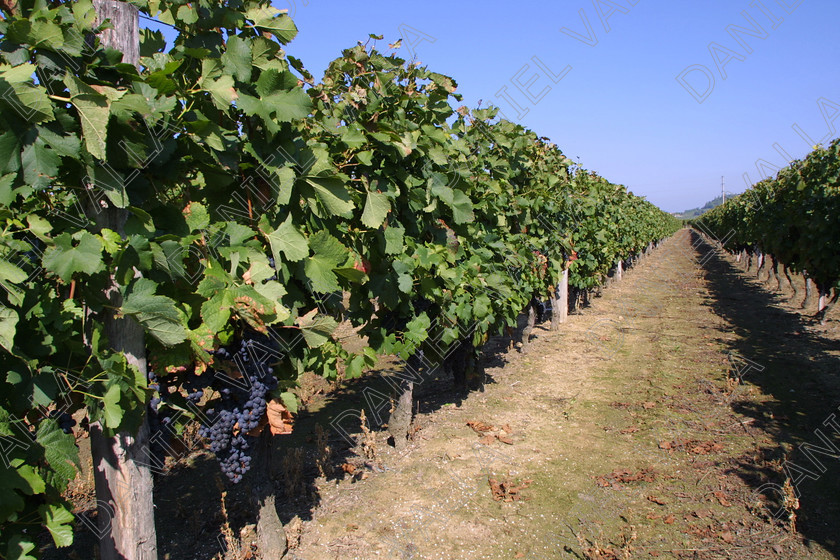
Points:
[(242, 403), (65, 421)]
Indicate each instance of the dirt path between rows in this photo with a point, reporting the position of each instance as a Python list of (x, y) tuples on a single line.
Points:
[(659, 423)]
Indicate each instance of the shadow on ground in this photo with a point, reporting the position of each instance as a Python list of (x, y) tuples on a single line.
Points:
[(801, 372)]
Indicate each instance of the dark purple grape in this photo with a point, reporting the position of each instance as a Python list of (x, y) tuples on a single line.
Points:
[(65, 421)]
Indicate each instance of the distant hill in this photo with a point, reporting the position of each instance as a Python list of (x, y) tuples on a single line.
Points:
[(694, 212)]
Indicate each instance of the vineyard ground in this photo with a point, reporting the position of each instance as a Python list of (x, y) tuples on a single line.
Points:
[(622, 435)]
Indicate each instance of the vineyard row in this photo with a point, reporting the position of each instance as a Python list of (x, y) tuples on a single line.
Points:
[(179, 228)]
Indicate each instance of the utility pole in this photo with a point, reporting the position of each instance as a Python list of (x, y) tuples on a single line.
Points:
[(722, 190)]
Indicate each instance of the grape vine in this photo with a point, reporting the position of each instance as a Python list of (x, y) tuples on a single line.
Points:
[(792, 219), (253, 197)]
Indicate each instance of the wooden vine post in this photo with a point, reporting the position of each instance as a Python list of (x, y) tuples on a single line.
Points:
[(560, 305), (124, 485)]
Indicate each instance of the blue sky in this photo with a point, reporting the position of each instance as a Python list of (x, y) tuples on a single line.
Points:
[(620, 109)]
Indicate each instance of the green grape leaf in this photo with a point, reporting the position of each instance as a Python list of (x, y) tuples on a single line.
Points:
[(111, 409), (94, 111), (40, 163), (9, 153), (237, 59), (316, 328), (405, 283), (394, 240), (352, 274), (289, 241), (353, 137), (365, 157), (197, 216), (354, 367), (59, 522), (187, 14), (7, 194), (271, 80), (31, 482), (11, 273), (376, 209), (272, 20), (332, 193), (19, 549), (328, 254), (289, 401), (274, 292), (65, 260), (27, 99), (223, 92), (215, 312), (158, 314), (458, 202), (8, 327), (289, 105)]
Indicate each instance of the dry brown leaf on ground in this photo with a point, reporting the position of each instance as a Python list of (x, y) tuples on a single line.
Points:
[(630, 430), (505, 440), (656, 500), (487, 440), (727, 537), (506, 490), (595, 552), (722, 499), (279, 418), (704, 447), (480, 427), (692, 446), (625, 476)]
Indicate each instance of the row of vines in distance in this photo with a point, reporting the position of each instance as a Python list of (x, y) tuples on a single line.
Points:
[(792, 219), (251, 193)]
